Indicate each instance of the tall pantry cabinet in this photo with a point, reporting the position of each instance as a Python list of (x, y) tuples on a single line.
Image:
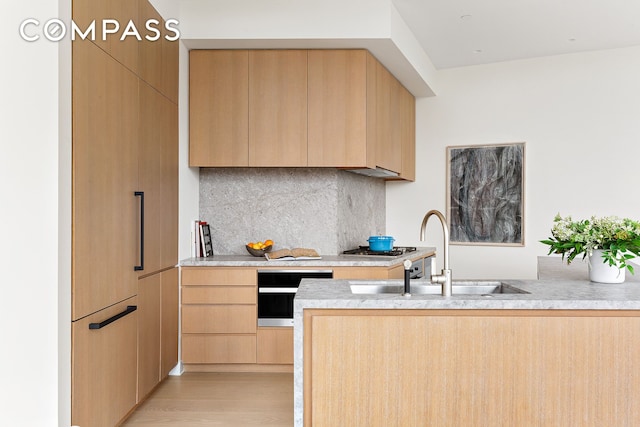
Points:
[(125, 197)]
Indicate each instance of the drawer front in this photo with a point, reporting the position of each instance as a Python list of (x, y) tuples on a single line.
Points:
[(218, 348), (104, 372), (221, 319), (219, 295), (202, 276)]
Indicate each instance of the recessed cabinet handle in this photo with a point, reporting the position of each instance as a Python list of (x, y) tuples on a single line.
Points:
[(141, 266), (130, 309)]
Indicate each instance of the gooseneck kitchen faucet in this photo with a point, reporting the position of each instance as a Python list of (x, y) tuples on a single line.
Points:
[(444, 278)]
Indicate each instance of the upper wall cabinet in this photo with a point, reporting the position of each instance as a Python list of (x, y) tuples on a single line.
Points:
[(317, 108), (218, 108), (278, 108), (338, 109)]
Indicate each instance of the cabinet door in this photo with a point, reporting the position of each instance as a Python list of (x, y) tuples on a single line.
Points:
[(278, 108), (104, 367), (388, 148), (169, 185), (407, 126), (275, 345), (337, 108), (218, 108), (170, 69), (112, 13), (149, 290), (157, 329), (105, 165), (150, 52), (168, 321), (150, 173), (158, 172)]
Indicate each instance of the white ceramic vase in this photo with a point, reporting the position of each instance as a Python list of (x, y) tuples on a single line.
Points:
[(602, 272)]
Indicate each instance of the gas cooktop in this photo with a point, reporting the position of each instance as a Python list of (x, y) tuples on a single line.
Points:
[(396, 251)]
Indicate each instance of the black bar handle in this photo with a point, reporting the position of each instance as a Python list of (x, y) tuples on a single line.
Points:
[(141, 266), (130, 309)]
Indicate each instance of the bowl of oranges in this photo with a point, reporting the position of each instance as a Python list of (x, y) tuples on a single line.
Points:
[(259, 248)]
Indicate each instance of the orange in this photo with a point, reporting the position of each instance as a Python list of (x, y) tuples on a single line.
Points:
[(268, 242)]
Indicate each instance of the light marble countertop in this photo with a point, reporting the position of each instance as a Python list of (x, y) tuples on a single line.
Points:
[(553, 294), (326, 261)]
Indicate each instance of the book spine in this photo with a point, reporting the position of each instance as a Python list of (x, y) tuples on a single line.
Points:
[(203, 248), (196, 240)]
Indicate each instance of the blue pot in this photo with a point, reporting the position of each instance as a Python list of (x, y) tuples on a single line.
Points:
[(381, 243)]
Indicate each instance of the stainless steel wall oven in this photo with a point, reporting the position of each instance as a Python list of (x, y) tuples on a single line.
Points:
[(276, 290)]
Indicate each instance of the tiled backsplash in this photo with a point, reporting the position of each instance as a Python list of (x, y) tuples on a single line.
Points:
[(326, 209)]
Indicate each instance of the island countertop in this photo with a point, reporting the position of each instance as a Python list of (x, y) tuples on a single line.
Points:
[(552, 294), (325, 261)]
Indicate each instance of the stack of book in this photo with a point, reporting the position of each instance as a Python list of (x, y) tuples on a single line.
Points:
[(201, 239)]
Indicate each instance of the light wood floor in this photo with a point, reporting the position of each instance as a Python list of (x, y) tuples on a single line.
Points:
[(219, 399)]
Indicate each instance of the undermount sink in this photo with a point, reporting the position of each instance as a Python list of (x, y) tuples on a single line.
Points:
[(460, 287)]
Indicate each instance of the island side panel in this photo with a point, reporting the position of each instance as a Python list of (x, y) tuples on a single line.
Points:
[(471, 367)]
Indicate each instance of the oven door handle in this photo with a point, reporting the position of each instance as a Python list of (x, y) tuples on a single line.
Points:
[(277, 290)]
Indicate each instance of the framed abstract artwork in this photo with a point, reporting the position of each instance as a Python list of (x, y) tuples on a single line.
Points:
[(485, 194)]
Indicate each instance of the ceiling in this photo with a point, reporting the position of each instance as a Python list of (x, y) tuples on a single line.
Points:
[(457, 33)]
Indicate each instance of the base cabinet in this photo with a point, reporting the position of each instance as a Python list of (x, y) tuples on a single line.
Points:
[(103, 372), (157, 329), (219, 319), (219, 315), (471, 367), (275, 346), (218, 348), (169, 322)]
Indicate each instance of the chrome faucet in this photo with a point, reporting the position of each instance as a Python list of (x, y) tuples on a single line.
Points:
[(444, 278)]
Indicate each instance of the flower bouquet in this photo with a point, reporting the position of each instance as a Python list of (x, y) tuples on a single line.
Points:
[(619, 239)]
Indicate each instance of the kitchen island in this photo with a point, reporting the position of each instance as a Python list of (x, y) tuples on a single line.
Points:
[(566, 352)]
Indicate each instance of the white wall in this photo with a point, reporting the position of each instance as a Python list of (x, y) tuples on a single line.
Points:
[(580, 118), (34, 223), (189, 178)]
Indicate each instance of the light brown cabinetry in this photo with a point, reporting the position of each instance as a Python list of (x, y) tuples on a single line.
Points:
[(169, 309), (406, 111), (124, 142), (158, 59), (484, 367), (105, 176), (115, 12), (319, 108), (148, 334), (219, 318), (104, 366), (248, 108), (218, 108), (357, 113), (158, 172), (157, 329), (275, 346), (219, 315), (277, 108), (338, 110)]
